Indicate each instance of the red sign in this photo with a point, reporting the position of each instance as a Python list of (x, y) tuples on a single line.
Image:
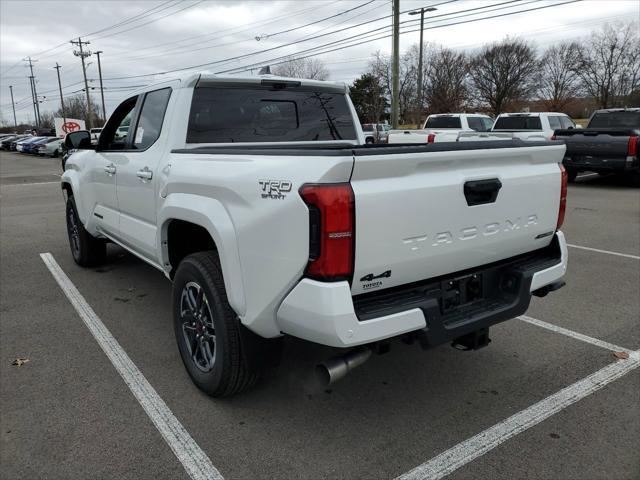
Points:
[(70, 127)]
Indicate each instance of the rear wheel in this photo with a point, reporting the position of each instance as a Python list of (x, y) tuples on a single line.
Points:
[(87, 250), (369, 140), (572, 174), (207, 329)]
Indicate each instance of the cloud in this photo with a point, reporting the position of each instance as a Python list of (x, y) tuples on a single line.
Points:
[(195, 32)]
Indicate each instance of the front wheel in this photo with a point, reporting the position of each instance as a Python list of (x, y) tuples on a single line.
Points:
[(87, 250), (207, 329)]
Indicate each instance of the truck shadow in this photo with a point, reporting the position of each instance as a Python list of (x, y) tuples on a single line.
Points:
[(605, 181)]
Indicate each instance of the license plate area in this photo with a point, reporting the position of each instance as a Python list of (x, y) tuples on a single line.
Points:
[(461, 291)]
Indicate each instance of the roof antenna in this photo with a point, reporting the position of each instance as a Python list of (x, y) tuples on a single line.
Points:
[(266, 70)]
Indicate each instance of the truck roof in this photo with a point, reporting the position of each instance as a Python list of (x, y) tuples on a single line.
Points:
[(192, 79), (459, 115), (530, 114)]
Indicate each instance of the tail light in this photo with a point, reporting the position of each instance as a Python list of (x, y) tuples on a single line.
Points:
[(331, 230), (431, 138), (563, 196), (632, 148)]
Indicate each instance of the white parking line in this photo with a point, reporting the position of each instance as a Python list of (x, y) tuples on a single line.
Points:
[(193, 459), (29, 184), (576, 335), (464, 452), (635, 257)]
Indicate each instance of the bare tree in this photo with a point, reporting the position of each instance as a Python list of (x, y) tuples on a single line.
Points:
[(610, 64), (559, 81), (503, 73), (76, 107), (380, 67), (310, 68), (447, 81)]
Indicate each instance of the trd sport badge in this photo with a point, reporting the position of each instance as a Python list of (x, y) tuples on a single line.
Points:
[(275, 189)]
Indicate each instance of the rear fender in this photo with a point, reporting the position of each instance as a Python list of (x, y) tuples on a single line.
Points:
[(211, 215)]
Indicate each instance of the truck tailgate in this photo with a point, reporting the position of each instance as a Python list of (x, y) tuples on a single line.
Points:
[(607, 144), (423, 212)]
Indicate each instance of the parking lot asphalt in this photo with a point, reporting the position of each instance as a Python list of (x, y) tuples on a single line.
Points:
[(68, 414)]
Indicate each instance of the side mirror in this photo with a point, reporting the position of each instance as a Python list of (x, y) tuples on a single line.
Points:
[(78, 140)]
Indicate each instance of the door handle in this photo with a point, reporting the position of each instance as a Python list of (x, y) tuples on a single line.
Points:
[(110, 169), (145, 174)]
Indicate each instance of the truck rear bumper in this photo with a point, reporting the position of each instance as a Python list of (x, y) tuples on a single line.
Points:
[(602, 164), (326, 313)]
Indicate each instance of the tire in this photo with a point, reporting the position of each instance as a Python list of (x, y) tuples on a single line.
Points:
[(217, 366), (87, 250), (572, 174), (369, 140), (55, 153)]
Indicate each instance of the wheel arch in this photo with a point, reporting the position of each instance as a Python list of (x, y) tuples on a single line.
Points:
[(207, 225)]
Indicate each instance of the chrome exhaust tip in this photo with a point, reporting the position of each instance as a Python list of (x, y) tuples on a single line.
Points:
[(336, 368)]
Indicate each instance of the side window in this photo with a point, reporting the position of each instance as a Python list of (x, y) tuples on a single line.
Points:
[(151, 118), (566, 122), (554, 122), (476, 123), (488, 123), (115, 132)]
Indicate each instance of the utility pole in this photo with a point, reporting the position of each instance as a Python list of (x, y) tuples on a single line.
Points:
[(104, 110), (34, 100), (421, 12), (34, 92), (395, 84), (64, 116), (13, 105), (82, 54)]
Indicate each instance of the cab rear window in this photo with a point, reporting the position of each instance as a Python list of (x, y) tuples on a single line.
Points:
[(615, 120), (518, 123), (443, 122), (247, 114)]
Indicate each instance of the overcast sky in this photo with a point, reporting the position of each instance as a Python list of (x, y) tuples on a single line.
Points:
[(143, 37)]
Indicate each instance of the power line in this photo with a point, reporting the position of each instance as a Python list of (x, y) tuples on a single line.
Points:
[(132, 19)]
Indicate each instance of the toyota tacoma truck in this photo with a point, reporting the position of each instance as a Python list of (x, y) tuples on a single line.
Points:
[(609, 144), (443, 127), (259, 199)]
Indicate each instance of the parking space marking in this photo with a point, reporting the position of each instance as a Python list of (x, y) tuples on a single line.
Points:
[(468, 450), (627, 255), (29, 184), (193, 459), (576, 335)]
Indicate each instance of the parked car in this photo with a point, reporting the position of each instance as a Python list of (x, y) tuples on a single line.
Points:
[(609, 144), (261, 243), (41, 146), (24, 145), (10, 143), (95, 134), (375, 132), (122, 132), (52, 148), (523, 126), (443, 127)]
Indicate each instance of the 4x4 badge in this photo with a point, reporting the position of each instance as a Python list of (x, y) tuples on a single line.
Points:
[(371, 276)]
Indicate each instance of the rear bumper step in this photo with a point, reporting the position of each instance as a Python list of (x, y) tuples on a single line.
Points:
[(437, 311)]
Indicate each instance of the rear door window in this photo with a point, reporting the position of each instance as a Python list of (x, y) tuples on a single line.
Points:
[(518, 123), (264, 114), (554, 122), (477, 124), (151, 118), (566, 122), (443, 122)]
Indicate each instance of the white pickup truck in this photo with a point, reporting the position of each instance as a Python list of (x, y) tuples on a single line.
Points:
[(443, 127), (259, 200), (524, 126)]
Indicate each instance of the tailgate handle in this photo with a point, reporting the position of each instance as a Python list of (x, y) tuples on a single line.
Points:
[(479, 192)]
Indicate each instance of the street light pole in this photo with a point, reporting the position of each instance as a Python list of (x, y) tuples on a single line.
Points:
[(104, 110), (415, 12), (13, 105)]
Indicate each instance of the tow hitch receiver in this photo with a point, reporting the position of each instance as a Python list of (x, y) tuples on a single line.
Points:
[(472, 341)]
